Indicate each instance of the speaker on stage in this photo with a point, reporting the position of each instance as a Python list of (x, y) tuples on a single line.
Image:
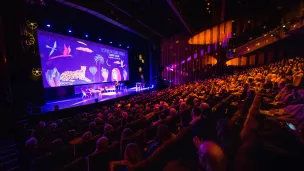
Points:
[(56, 107)]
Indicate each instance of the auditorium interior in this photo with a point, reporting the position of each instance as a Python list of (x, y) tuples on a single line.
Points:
[(152, 85)]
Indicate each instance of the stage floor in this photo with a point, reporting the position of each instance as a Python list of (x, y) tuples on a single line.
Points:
[(79, 101)]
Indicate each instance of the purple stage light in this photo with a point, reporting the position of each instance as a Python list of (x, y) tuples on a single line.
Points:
[(48, 25)]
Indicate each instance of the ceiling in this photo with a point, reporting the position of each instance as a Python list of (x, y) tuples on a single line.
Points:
[(156, 19)]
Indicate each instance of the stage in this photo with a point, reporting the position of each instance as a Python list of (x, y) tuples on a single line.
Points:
[(79, 101)]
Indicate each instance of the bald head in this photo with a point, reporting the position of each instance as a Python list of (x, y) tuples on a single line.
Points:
[(212, 157)]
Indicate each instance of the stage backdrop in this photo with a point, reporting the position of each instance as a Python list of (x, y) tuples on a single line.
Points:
[(67, 61)]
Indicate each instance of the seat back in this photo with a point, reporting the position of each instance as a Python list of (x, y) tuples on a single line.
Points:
[(79, 164)]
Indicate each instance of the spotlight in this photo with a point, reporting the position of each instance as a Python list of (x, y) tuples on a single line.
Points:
[(284, 26), (48, 25), (128, 47), (86, 35), (119, 45), (70, 31), (99, 39), (111, 42)]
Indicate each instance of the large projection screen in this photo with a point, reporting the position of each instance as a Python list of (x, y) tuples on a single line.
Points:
[(67, 61)]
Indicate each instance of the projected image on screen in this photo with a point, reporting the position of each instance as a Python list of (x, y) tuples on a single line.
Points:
[(69, 61)]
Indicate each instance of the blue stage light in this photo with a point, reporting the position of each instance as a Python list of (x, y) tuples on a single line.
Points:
[(86, 35), (99, 39), (119, 45), (48, 25), (111, 42), (70, 31), (128, 47)]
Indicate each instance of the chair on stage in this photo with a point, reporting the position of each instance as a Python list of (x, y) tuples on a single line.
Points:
[(85, 94)]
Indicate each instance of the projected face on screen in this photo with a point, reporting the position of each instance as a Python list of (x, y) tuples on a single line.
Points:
[(67, 61)]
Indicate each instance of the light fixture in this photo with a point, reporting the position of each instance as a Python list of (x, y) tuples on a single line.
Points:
[(70, 31), (128, 47), (99, 39), (48, 25), (284, 26), (86, 35), (119, 45), (177, 41), (111, 42)]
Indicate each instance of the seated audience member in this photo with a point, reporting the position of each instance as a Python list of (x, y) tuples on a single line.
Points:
[(92, 125), (41, 131), (87, 136), (211, 156), (205, 109), (132, 156), (163, 134), (101, 143), (108, 128), (165, 106), (126, 133), (196, 102), (196, 115), (183, 106), (156, 109), (172, 113)]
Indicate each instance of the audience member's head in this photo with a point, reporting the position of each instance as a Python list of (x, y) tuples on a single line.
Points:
[(92, 125), (53, 126), (42, 124), (31, 143), (87, 135), (108, 128), (126, 133), (124, 115), (212, 157), (173, 112), (183, 106), (133, 153), (102, 143)]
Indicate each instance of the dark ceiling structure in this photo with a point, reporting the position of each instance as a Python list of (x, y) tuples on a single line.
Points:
[(162, 19)]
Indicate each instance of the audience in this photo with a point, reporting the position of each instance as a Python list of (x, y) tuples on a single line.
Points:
[(230, 108)]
